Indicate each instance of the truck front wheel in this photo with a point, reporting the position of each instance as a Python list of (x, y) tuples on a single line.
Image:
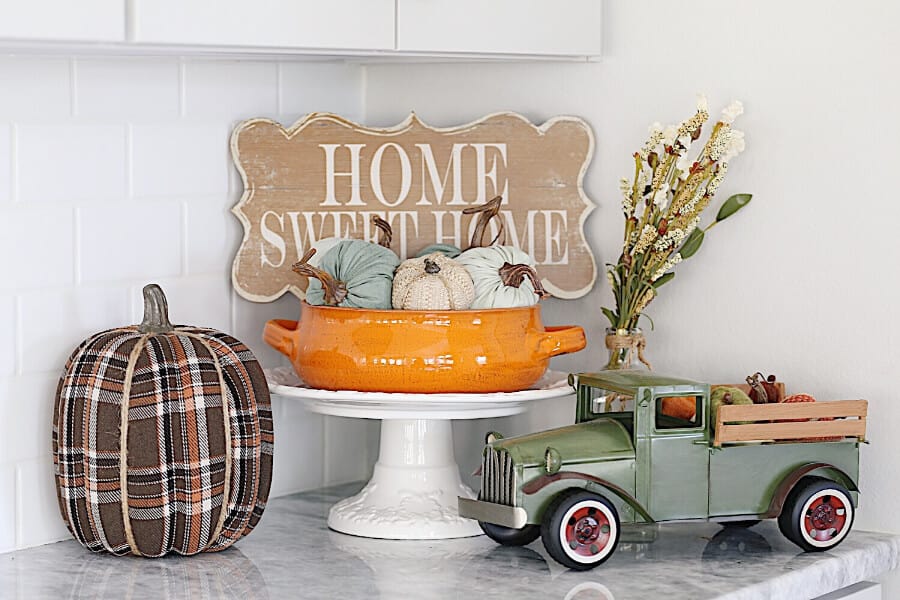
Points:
[(507, 536), (817, 514), (580, 529)]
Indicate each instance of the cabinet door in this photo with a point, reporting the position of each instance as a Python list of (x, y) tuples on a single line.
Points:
[(63, 20), (335, 24), (538, 27)]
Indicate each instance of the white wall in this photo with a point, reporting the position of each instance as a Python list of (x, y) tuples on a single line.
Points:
[(115, 173), (803, 282)]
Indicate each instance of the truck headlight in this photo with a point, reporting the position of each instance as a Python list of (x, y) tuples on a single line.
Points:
[(552, 460)]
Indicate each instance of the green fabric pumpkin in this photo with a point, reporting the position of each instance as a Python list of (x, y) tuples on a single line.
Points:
[(365, 270), (504, 277), (726, 395)]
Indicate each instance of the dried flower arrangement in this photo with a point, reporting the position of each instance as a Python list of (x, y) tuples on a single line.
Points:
[(662, 204)]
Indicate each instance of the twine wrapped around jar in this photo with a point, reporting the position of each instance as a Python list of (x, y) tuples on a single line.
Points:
[(623, 344)]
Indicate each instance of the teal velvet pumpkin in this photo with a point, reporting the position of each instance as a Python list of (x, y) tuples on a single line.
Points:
[(504, 277), (366, 271), (445, 249)]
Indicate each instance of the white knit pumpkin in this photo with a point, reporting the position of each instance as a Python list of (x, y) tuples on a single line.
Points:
[(432, 282), (485, 267)]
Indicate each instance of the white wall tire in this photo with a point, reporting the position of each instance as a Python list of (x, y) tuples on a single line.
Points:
[(581, 529)]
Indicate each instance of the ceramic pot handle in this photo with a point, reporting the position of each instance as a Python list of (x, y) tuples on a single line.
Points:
[(279, 333), (562, 340)]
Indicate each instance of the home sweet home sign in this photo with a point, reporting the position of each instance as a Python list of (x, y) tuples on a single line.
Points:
[(326, 176)]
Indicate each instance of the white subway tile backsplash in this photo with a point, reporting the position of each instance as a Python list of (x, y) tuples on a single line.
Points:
[(180, 160), (27, 411), (37, 245), (53, 323), (230, 90), (134, 241), (251, 317), (198, 301), (214, 236), (138, 89), (8, 329), (7, 507), (34, 87), (115, 173), (6, 182), (309, 87), (70, 163), (39, 521), (298, 438)]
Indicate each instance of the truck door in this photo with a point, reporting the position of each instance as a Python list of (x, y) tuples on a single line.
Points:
[(679, 458)]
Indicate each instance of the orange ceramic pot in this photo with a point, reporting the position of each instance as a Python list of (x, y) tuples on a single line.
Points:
[(496, 350)]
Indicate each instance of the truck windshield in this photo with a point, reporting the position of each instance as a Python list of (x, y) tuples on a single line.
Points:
[(605, 401)]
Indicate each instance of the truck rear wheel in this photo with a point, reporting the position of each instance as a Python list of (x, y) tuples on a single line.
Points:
[(580, 529), (507, 536), (817, 514)]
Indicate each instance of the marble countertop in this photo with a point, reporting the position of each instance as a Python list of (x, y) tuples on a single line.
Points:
[(293, 554)]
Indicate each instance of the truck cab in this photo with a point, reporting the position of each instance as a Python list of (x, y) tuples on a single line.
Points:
[(642, 450)]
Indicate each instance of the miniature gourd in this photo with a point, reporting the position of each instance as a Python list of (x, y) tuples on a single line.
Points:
[(730, 396), (504, 276), (432, 282), (352, 274)]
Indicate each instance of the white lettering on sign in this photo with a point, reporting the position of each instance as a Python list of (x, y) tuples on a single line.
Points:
[(489, 158)]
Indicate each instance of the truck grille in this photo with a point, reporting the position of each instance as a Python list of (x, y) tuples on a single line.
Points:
[(498, 478)]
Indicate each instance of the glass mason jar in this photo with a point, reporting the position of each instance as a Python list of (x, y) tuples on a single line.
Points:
[(626, 349)]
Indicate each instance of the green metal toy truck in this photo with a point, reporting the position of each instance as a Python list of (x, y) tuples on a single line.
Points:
[(627, 459)]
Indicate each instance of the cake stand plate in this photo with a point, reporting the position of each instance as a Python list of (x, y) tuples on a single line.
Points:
[(414, 487)]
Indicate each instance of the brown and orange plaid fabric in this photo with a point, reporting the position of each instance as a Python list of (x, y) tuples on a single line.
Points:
[(198, 435)]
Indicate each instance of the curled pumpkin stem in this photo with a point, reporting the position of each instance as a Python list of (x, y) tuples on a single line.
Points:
[(514, 275), (486, 212), (334, 289), (385, 233)]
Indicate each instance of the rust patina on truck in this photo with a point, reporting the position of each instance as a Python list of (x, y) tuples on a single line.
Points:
[(629, 458)]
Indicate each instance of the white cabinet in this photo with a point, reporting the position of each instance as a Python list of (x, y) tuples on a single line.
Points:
[(63, 20), (313, 24), (534, 27), (394, 29)]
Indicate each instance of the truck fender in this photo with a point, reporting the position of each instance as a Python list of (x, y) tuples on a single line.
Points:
[(787, 484), (537, 484)]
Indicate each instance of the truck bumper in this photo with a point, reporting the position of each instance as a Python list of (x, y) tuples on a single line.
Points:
[(513, 517)]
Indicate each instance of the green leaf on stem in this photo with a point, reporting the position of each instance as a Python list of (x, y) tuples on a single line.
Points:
[(664, 279), (691, 244), (732, 205), (613, 317)]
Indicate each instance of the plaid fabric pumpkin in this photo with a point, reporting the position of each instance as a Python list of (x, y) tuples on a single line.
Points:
[(162, 438)]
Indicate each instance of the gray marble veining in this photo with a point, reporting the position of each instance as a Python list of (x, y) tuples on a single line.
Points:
[(293, 554)]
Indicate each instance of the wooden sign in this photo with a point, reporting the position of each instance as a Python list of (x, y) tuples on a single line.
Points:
[(326, 176)]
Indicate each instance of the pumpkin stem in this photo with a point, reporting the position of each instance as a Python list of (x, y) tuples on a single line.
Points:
[(486, 212), (514, 275), (156, 311), (385, 233), (431, 267), (335, 290)]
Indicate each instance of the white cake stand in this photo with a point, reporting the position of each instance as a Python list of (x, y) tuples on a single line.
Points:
[(413, 490)]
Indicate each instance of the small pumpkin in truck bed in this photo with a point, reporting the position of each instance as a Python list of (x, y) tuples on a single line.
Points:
[(574, 486)]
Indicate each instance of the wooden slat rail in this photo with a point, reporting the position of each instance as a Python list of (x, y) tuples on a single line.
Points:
[(753, 422)]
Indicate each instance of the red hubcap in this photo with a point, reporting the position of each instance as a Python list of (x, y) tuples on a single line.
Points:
[(588, 531), (825, 518)]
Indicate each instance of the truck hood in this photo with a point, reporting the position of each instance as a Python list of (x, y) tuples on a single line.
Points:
[(600, 439)]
